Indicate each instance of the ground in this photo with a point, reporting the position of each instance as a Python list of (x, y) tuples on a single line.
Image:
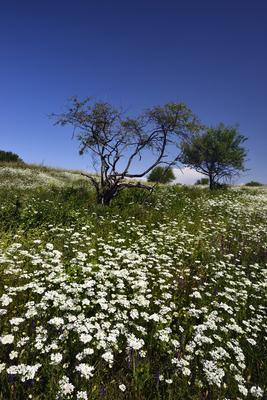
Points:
[(156, 297)]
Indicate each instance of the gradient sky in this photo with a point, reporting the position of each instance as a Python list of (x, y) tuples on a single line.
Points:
[(210, 54)]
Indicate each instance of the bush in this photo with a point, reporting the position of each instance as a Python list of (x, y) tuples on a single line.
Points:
[(202, 181), (253, 183), (8, 156), (161, 175)]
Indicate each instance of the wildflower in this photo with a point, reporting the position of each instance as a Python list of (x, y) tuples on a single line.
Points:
[(27, 372), (2, 367), (196, 295), (142, 353), (135, 343), (122, 387), (5, 299), (169, 381), (16, 321), (186, 371), (85, 370), (108, 357), (252, 341), (82, 395), (56, 358), (85, 338), (65, 386), (213, 374), (134, 314), (7, 339), (56, 321), (13, 354), (256, 391), (243, 390)]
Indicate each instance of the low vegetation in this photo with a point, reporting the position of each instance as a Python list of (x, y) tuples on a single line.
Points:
[(160, 296), (161, 175), (9, 157), (14, 175), (253, 183), (202, 181)]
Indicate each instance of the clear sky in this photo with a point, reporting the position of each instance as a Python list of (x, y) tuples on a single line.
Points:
[(211, 54)]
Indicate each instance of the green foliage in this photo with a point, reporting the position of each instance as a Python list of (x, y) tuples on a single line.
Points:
[(191, 262), (8, 156), (253, 183), (217, 153), (161, 175), (202, 181)]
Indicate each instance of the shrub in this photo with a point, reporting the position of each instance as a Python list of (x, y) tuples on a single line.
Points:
[(253, 183), (161, 175), (202, 181), (8, 156)]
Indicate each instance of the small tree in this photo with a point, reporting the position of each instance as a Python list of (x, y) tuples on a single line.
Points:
[(115, 142), (8, 156), (202, 181), (161, 175), (253, 183), (217, 153)]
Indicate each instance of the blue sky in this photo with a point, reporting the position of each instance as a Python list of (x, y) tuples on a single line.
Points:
[(210, 54)]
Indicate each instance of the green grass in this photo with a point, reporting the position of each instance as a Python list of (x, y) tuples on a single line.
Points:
[(170, 288)]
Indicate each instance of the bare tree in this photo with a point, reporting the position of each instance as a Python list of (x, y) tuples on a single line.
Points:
[(116, 141)]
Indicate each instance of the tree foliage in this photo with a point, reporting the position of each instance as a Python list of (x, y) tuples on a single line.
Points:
[(161, 175), (254, 183), (8, 156), (217, 153), (202, 181), (115, 141)]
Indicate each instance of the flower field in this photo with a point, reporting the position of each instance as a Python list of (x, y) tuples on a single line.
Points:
[(163, 299)]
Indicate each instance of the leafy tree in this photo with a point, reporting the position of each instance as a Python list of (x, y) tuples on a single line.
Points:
[(161, 175), (116, 141), (202, 181), (217, 153), (8, 156), (253, 183)]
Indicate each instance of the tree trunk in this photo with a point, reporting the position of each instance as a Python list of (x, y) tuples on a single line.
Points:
[(211, 179), (105, 195)]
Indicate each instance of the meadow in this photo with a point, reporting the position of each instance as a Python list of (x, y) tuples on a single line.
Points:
[(155, 297)]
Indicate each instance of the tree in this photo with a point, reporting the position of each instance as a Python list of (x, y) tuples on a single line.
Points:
[(115, 141), (161, 175), (217, 153), (202, 181), (253, 183), (8, 156)]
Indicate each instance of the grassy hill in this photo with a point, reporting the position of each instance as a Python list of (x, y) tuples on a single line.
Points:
[(31, 175)]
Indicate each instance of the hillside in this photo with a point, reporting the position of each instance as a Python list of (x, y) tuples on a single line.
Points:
[(31, 176)]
